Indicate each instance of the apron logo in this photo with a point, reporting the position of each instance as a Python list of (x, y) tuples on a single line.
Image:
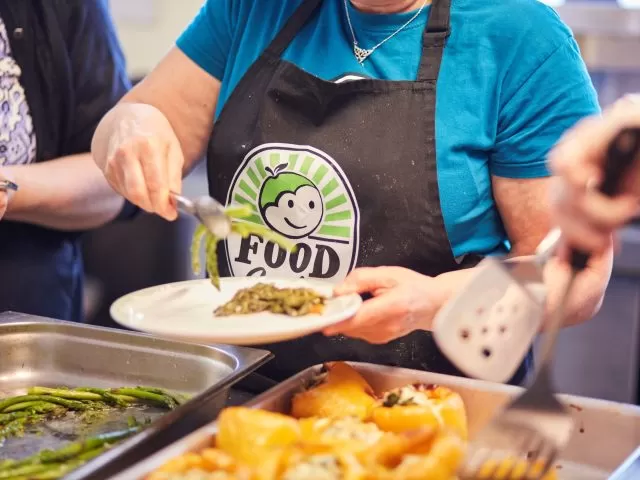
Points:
[(303, 194)]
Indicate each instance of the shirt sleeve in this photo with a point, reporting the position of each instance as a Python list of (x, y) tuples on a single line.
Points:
[(552, 99), (208, 38)]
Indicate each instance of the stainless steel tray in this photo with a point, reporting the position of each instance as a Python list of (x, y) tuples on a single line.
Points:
[(606, 434), (40, 351)]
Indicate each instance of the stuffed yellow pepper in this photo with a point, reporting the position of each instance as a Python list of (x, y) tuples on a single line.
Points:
[(250, 435), (346, 434), (338, 391), (417, 406), (436, 458), (300, 464), (210, 464)]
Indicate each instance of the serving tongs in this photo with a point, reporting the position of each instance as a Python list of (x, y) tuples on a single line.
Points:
[(6, 185), (207, 211), (525, 439)]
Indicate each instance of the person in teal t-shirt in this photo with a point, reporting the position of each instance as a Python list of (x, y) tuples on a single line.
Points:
[(396, 142)]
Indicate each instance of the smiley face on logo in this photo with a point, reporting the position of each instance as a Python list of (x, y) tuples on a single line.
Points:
[(302, 193), (290, 203)]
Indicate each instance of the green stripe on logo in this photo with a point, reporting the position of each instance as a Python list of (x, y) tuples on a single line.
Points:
[(293, 159), (337, 216), (306, 165), (254, 178), (260, 167), (244, 186), (336, 202), (330, 187), (274, 159), (240, 199), (320, 173), (344, 232)]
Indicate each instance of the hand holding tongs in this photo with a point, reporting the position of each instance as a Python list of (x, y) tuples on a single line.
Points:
[(208, 211)]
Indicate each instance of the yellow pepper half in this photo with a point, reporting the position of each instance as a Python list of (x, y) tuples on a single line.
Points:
[(299, 463), (340, 392), (250, 435), (441, 461), (208, 462), (417, 406), (347, 434)]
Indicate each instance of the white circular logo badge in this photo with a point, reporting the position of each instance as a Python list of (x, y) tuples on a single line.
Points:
[(303, 194)]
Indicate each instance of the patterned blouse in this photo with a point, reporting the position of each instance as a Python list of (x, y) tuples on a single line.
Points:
[(17, 138)]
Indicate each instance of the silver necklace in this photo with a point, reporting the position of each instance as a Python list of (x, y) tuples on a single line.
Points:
[(363, 53)]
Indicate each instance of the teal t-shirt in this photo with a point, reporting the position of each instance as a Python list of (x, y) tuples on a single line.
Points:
[(511, 83)]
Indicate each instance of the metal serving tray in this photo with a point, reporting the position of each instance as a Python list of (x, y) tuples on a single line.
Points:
[(606, 433), (40, 351)]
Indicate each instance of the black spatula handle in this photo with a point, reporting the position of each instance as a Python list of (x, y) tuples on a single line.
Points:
[(621, 154)]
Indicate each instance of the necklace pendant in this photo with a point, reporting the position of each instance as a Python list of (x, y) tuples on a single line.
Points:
[(361, 53)]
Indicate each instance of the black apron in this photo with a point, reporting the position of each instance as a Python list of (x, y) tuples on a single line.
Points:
[(346, 169)]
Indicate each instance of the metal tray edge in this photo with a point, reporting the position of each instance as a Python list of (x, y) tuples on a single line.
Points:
[(247, 361), (242, 354)]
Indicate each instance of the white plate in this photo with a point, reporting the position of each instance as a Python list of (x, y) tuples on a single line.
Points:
[(184, 311)]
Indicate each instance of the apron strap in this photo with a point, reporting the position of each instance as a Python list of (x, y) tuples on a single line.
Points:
[(434, 40), (296, 22)]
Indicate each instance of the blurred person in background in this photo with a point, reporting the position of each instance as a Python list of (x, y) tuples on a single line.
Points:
[(325, 118), (587, 218), (61, 70)]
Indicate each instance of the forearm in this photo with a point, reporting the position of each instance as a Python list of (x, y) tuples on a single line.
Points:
[(586, 297), (68, 193), (177, 100)]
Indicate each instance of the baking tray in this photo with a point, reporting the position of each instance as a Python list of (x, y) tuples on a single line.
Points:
[(45, 352), (606, 432)]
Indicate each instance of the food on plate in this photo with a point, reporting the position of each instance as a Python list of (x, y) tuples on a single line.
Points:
[(27, 414), (337, 391), (338, 429), (266, 297), (241, 227), (251, 434), (415, 406), (210, 464)]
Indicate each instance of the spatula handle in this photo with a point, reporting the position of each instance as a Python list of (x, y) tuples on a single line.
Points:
[(623, 150)]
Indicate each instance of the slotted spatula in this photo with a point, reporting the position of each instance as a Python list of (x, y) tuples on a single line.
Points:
[(524, 440), (487, 329)]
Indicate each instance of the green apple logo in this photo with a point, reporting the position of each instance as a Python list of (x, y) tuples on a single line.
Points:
[(290, 203), (302, 193)]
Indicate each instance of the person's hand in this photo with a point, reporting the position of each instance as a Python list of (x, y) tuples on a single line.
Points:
[(588, 218), (144, 160), (403, 301)]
